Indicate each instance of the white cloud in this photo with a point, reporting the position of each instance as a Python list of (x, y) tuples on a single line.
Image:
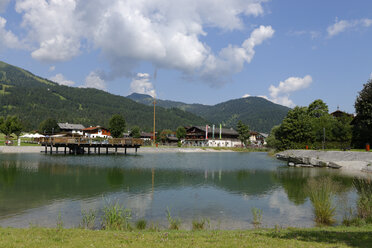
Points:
[(281, 93), (165, 33), (52, 68), (370, 76), (60, 79), (3, 5), (93, 80), (8, 38), (141, 84), (246, 95), (343, 25)]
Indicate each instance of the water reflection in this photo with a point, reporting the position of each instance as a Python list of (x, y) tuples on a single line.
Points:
[(220, 186)]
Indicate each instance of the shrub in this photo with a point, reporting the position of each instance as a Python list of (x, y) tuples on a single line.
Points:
[(198, 225), (257, 216)]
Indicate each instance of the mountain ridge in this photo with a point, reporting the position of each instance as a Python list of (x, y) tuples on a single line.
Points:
[(259, 113)]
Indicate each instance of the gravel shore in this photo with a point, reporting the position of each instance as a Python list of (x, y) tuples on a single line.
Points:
[(344, 160)]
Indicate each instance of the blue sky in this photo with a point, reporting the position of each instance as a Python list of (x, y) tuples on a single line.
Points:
[(197, 51)]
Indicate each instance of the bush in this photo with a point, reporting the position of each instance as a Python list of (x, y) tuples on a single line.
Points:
[(198, 225), (89, 219), (364, 204), (174, 223), (141, 224)]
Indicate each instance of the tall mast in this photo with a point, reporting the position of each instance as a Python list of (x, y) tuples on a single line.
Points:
[(154, 120)]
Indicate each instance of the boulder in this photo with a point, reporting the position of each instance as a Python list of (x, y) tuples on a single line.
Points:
[(291, 164), (334, 165)]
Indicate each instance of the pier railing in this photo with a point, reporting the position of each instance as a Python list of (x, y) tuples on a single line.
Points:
[(89, 141)]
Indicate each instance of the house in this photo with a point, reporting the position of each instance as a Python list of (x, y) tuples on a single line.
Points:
[(147, 136), (211, 136), (339, 114), (72, 129), (257, 138), (96, 132)]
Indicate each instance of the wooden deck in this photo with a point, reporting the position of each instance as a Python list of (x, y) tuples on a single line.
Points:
[(73, 145)]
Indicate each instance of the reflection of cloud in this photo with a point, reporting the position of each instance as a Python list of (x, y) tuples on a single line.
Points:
[(139, 204), (279, 200)]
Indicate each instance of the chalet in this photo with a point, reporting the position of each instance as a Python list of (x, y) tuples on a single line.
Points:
[(213, 137), (147, 136), (96, 132), (257, 138), (72, 129), (339, 114)]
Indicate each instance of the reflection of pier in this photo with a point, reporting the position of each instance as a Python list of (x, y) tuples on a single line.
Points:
[(72, 145)]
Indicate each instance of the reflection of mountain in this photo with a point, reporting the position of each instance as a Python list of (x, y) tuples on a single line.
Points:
[(27, 189)]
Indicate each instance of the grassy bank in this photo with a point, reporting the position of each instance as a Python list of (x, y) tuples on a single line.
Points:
[(290, 237)]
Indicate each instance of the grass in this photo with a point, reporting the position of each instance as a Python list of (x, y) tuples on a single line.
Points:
[(198, 225), (290, 237), (174, 223), (141, 224), (320, 191), (88, 219), (364, 204), (257, 217), (116, 217)]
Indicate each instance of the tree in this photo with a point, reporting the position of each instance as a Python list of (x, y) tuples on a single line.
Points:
[(342, 131), (272, 141), (49, 126), (117, 126), (180, 132), (164, 135), (317, 108), (362, 131), (135, 132), (244, 133), (12, 124)]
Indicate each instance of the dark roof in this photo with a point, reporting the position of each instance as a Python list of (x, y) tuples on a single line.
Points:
[(339, 113), (145, 135), (227, 131), (69, 126), (94, 128)]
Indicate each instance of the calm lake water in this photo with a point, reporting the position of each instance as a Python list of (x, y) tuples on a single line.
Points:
[(223, 187)]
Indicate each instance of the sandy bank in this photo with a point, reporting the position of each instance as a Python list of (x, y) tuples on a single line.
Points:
[(142, 150), (346, 161)]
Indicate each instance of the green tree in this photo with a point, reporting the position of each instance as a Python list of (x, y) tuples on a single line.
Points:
[(342, 131), (362, 131), (135, 132), (12, 124), (49, 126), (244, 133), (296, 128), (117, 126), (164, 134), (180, 132), (317, 108), (272, 141)]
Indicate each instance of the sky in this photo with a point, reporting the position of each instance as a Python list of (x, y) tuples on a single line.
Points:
[(290, 52)]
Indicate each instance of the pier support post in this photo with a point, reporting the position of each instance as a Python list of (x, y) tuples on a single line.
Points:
[(51, 149), (125, 151), (116, 150), (136, 150), (88, 150), (57, 149), (65, 149), (106, 150), (46, 149), (95, 150), (99, 150), (75, 150)]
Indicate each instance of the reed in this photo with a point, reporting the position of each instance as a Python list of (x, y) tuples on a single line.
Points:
[(257, 217), (320, 192), (141, 224), (364, 204), (116, 217), (174, 223), (88, 219)]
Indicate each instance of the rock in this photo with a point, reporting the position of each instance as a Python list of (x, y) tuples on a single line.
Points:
[(298, 165), (334, 165), (323, 164), (291, 164), (314, 162), (307, 165)]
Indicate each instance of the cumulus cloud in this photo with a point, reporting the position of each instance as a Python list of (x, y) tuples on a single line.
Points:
[(93, 80), (342, 25), (52, 68), (141, 84), (60, 79), (165, 33), (281, 93), (8, 38)]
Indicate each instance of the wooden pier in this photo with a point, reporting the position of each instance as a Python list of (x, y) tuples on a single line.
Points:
[(73, 145)]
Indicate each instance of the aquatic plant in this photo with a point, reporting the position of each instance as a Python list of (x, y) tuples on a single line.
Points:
[(59, 221), (88, 219), (364, 204), (320, 191), (198, 225), (257, 217), (116, 217), (174, 223), (141, 224)]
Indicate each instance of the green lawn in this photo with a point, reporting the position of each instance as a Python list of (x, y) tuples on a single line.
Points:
[(290, 237), (14, 139)]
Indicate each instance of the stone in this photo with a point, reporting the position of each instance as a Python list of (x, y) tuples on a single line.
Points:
[(307, 165), (334, 165), (291, 164)]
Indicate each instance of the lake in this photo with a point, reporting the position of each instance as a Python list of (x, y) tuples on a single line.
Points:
[(36, 188)]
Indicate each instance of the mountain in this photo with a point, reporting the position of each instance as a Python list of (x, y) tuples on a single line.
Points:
[(260, 114), (34, 99)]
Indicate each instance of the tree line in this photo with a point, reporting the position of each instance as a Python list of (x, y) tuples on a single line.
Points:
[(314, 127)]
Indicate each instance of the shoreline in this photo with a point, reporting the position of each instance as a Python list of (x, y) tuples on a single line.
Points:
[(345, 161)]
